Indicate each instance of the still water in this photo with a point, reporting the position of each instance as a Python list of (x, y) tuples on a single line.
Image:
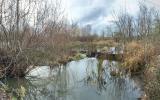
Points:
[(85, 79)]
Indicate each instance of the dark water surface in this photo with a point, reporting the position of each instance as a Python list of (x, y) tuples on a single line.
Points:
[(78, 80)]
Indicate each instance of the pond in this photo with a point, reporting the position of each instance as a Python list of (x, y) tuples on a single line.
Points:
[(85, 79)]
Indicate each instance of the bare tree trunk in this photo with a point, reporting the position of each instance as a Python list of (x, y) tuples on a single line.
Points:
[(17, 23)]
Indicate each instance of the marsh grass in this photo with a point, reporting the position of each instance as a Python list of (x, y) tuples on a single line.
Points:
[(137, 56)]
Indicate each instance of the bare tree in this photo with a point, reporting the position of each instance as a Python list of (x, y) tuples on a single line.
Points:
[(144, 21)]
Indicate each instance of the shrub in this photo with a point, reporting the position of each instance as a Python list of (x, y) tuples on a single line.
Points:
[(152, 79), (137, 55), (152, 84)]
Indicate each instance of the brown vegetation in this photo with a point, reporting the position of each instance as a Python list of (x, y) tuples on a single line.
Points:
[(137, 56), (42, 36), (152, 79), (140, 37), (33, 36)]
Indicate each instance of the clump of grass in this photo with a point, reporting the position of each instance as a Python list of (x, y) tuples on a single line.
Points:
[(152, 85), (152, 80), (107, 42), (137, 55), (78, 56), (105, 49)]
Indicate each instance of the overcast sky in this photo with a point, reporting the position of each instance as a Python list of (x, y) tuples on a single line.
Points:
[(99, 13)]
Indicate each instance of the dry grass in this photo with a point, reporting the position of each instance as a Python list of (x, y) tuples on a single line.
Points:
[(152, 83), (152, 79), (105, 42), (137, 56)]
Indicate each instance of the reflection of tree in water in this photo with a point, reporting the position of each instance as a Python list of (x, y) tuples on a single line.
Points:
[(61, 85), (54, 89), (95, 74), (101, 82), (114, 86), (122, 87), (90, 70), (38, 92)]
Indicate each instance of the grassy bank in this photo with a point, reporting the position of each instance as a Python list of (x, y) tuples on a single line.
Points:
[(142, 59), (137, 56)]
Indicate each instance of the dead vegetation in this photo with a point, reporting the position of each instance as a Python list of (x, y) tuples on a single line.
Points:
[(140, 38), (37, 33), (152, 79), (137, 56), (32, 36)]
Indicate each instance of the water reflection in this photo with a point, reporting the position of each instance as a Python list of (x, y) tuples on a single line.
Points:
[(87, 79)]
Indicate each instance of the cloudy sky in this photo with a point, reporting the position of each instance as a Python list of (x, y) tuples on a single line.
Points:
[(99, 13)]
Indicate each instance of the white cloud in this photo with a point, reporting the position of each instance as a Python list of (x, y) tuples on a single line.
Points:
[(130, 6), (154, 3), (110, 18), (98, 13)]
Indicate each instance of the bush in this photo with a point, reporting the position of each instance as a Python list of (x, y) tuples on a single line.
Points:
[(152, 84), (137, 55)]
